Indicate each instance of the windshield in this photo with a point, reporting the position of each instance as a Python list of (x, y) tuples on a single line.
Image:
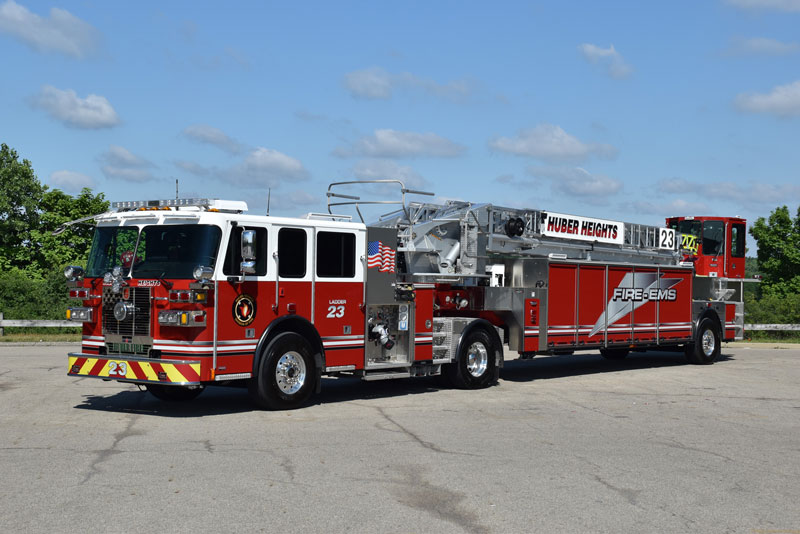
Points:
[(111, 247), (173, 251), (713, 237), (688, 227)]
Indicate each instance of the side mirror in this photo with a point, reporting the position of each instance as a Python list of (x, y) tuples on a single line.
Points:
[(248, 265)]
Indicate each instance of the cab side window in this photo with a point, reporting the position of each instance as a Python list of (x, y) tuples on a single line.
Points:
[(737, 240), (233, 256), (336, 255), (292, 252)]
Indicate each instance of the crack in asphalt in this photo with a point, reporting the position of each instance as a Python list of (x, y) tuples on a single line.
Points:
[(106, 454), (675, 444), (630, 495), (427, 444)]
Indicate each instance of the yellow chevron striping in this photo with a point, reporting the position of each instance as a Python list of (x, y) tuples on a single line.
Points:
[(173, 374)]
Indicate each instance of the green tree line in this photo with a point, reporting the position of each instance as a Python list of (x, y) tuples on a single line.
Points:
[(32, 259)]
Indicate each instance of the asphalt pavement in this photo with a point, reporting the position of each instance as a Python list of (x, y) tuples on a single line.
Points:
[(562, 444)]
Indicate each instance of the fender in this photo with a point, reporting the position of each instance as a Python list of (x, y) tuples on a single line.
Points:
[(483, 324), (299, 325), (711, 313)]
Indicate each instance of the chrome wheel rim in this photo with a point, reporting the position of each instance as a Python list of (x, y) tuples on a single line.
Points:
[(708, 343), (477, 359), (290, 373)]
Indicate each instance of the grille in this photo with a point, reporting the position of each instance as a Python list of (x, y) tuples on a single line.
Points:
[(136, 323)]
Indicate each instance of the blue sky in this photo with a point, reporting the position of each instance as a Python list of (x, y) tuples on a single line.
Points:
[(623, 110)]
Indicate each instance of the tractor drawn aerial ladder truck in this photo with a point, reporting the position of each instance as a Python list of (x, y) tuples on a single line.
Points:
[(182, 294)]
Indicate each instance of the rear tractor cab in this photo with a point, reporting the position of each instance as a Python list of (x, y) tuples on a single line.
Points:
[(716, 245)]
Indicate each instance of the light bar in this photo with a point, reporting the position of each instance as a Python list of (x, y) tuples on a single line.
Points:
[(212, 203)]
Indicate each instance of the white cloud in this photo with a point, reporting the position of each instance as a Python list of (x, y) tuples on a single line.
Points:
[(93, 112), (261, 167), (371, 84), (204, 133), (777, 5), (266, 166), (765, 46), (122, 164), (61, 32), (674, 185), (377, 84), (71, 181), (752, 193), (388, 143), (303, 198), (548, 142), (192, 167), (578, 182), (783, 100), (611, 60), (381, 169), (746, 195), (666, 209)]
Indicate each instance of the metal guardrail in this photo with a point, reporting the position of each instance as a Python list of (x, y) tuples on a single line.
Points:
[(773, 327), (23, 323)]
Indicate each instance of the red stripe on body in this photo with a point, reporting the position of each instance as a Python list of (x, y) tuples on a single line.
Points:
[(136, 367), (158, 369), (98, 367), (188, 372), (79, 362)]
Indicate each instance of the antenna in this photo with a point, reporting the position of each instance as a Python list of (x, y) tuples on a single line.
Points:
[(176, 189), (269, 197)]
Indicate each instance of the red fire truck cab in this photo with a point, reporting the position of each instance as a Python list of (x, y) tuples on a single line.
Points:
[(181, 294)]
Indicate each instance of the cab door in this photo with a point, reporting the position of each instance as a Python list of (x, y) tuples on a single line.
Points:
[(734, 261), (294, 273), (339, 295)]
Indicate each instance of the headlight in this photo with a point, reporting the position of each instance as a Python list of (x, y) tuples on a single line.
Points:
[(201, 272), (73, 272), (107, 278), (81, 315)]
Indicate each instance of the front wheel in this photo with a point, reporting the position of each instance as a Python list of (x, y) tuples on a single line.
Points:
[(706, 347), (476, 363), (286, 374), (174, 393)]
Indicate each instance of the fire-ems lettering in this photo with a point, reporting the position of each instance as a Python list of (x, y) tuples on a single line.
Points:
[(640, 293)]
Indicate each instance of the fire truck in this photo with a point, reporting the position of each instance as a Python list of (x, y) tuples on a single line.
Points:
[(182, 294)]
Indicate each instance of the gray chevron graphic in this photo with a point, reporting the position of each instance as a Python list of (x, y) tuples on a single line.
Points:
[(616, 309)]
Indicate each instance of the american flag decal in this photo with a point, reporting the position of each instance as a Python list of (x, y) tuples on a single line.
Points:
[(380, 256)]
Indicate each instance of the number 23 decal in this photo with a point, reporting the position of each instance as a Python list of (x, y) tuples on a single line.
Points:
[(119, 369), (335, 312)]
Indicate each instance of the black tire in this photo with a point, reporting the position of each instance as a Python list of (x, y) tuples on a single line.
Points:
[(174, 393), (286, 375), (706, 347), (614, 354), (476, 363)]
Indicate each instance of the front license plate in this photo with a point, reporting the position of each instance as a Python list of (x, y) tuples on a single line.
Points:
[(134, 348)]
